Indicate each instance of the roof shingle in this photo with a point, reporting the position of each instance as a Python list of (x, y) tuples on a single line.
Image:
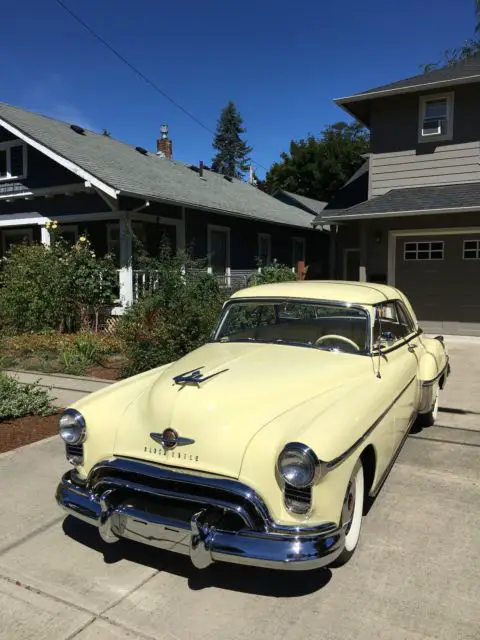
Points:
[(121, 167), (413, 199)]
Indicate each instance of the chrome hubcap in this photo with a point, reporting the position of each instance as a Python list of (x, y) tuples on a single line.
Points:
[(348, 508)]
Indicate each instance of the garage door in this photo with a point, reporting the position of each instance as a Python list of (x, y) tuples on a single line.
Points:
[(440, 274)]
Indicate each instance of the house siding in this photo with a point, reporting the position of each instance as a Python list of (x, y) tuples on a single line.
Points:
[(42, 172), (244, 240), (399, 160), (377, 252)]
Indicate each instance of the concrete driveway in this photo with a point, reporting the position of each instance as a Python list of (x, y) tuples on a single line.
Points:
[(416, 573)]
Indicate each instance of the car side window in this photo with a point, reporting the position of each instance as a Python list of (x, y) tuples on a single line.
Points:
[(405, 318), (388, 328)]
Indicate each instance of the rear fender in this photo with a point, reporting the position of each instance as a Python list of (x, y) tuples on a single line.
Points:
[(432, 371)]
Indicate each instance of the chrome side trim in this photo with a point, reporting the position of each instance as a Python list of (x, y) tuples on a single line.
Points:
[(446, 369), (338, 460), (387, 470)]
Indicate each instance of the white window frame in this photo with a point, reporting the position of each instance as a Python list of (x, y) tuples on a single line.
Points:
[(7, 146), (304, 250), (433, 137), (15, 232), (214, 227), (268, 238), (476, 250), (416, 250)]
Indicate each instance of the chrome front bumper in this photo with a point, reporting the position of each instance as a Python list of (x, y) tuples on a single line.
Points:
[(285, 548)]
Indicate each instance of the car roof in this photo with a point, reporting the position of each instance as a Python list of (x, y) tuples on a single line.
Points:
[(364, 293)]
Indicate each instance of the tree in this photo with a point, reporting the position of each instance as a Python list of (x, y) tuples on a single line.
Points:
[(318, 167), (469, 48), (232, 158)]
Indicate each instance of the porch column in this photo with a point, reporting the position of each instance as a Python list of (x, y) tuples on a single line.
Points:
[(333, 252), (126, 270), (362, 272), (45, 238)]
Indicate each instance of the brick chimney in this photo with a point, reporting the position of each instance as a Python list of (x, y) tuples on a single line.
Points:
[(164, 144)]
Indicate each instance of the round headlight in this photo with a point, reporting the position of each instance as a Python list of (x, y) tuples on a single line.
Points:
[(73, 429), (298, 465)]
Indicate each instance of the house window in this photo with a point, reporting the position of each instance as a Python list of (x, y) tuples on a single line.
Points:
[(218, 249), (471, 249), (13, 160), (423, 250), (264, 248), (436, 118), (13, 237), (69, 233), (298, 251)]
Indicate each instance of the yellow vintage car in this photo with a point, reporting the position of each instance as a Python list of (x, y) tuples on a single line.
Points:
[(264, 446)]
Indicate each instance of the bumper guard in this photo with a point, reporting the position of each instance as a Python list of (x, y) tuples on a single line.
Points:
[(292, 548)]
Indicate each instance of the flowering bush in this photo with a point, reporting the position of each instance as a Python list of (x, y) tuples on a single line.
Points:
[(54, 287)]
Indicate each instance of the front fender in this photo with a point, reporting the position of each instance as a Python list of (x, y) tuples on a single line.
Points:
[(102, 411)]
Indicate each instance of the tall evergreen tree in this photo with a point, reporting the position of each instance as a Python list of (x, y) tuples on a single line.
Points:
[(232, 157)]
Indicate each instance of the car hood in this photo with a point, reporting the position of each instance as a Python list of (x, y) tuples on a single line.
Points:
[(255, 383)]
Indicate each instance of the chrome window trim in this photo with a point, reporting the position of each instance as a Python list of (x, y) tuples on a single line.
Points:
[(365, 308)]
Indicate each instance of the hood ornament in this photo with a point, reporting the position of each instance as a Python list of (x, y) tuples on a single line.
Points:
[(169, 439), (195, 376)]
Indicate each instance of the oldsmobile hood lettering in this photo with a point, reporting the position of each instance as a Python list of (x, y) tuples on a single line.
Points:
[(223, 416)]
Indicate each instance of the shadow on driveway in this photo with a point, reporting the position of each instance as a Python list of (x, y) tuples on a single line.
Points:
[(264, 582)]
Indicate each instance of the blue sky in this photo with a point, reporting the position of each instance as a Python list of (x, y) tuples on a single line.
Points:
[(281, 62)]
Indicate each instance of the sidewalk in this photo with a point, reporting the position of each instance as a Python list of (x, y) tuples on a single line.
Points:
[(64, 390)]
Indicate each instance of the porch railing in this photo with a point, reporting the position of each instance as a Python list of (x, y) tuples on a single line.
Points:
[(146, 282)]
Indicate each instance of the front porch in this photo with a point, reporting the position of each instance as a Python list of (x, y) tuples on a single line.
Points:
[(117, 233), (112, 233)]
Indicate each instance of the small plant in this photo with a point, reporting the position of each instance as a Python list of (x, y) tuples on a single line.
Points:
[(18, 400), (82, 353)]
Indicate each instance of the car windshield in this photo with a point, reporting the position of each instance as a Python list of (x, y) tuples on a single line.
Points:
[(321, 325)]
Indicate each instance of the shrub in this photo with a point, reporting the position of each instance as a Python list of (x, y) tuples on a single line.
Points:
[(54, 288), (175, 319), (275, 272), (18, 400)]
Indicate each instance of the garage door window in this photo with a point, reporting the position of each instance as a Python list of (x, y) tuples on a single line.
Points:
[(423, 250), (471, 249)]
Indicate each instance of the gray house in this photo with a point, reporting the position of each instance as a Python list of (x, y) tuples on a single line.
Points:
[(90, 183), (411, 215)]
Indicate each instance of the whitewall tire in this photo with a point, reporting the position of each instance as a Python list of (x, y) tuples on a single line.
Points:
[(352, 514), (428, 419)]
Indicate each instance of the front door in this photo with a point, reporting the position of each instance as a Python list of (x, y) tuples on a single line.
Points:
[(219, 249), (397, 365)]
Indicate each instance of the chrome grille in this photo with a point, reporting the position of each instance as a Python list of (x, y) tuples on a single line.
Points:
[(168, 487), (74, 453), (298, 500)]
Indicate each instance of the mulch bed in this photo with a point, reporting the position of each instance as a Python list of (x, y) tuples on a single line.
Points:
[(20, 431), (110, 369)]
